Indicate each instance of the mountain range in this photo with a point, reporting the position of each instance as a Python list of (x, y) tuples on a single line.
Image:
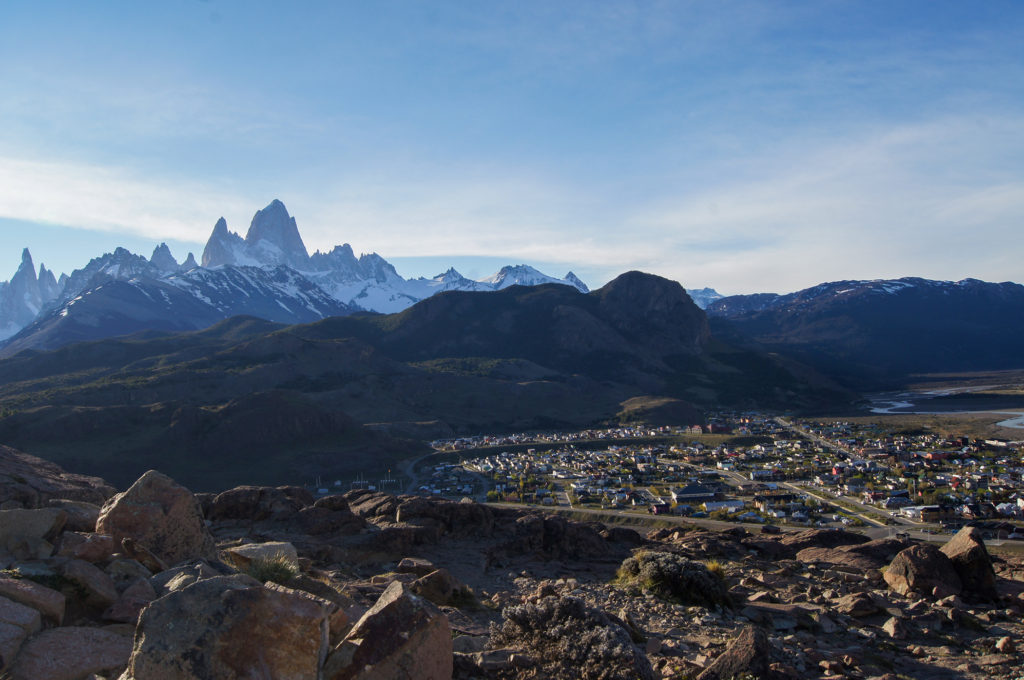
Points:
[(247, 400), (268, 274), (873, 335)]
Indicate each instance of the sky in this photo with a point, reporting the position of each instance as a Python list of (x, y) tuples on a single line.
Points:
[(745, 146)]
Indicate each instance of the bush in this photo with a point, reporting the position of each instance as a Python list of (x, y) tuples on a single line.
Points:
[(674, 578), (568, 639), (278, 569)]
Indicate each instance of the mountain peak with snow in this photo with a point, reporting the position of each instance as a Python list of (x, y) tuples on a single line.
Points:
[(274, 237)]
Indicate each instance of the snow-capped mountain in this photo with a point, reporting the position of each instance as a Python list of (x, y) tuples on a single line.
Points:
[(269, 274), (702, 297), (25, 295), (183, 301), (369, 281)]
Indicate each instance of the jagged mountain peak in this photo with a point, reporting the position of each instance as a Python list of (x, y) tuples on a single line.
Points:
[(189, 263), (274, 232), (163, 260)]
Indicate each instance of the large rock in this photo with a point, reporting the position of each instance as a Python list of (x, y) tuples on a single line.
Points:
[(402, 637), (821, 538), (46, 601), (17, 622), (71, 654), (923, 569), (82, 516), (33, 481), (244, 555), (748, 656), (966, 550), (230, 627), (259, 503), (30, 534), (162, 516)]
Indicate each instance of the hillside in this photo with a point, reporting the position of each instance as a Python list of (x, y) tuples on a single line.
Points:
[(247, 401), (874, 334)]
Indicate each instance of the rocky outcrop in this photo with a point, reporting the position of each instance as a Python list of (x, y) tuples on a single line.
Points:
[(230, 627), (402, 637), (161, 515), (32, 482), (747, 657), (72, 653), (925, 570), (966, 550)]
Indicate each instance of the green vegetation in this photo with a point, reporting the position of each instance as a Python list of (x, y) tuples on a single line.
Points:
[(278, 569), (673, 578)]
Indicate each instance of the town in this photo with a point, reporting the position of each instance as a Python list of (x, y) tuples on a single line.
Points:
[(752, 468)]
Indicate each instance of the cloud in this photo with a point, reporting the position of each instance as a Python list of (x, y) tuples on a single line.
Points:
[(111, 199), (941, 199)]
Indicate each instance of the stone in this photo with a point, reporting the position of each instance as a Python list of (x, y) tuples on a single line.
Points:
[(19, 615), (97, 588), (162, 516), (922, 569), (469, 644), (242, 556), (259, 503), (29, 534), (229, 627), (1005, 645), (415, 565), (748, 654), (895, 628), (131, 602), (966, 550), (401, 637), (857, 605), (11, 639), (48, 602), (125, 571), (71, 653), (85, 546), (177, 578), (82, 516)]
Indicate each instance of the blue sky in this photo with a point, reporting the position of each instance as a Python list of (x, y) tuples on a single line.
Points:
[(747, 146)]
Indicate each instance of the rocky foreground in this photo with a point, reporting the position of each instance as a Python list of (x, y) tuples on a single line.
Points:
[(158, 583)]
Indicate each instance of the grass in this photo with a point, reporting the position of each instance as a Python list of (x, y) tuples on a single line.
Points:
[(277, 569)]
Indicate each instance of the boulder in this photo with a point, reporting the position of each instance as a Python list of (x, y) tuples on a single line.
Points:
[(243, 555), (840, 558), (230, 627), (29, 534), (83, 546), (94, 587), (161, 515), (415, 565), (259, 503), (966, 550), (747, 656), (131, 602), (821, 538), (71, 653), (857, 605), (922, 569), (48, 602), (82, 516), (402, 637)]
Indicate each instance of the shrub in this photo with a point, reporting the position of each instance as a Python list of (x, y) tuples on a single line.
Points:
[(568, 639), (673, 578), (278, 569)]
